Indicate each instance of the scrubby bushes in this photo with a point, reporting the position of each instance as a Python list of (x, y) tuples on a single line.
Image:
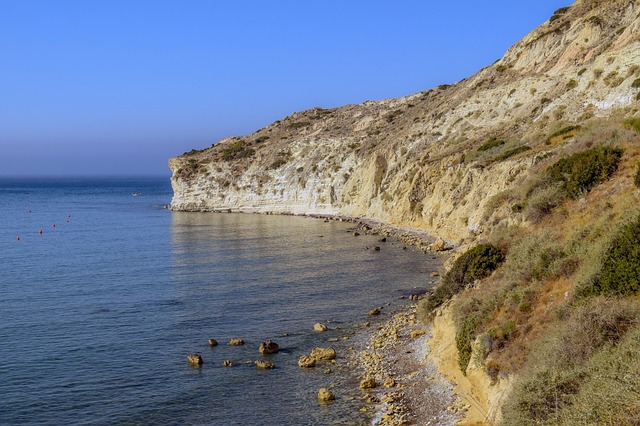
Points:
[(475, 264), (567, 375), (620, 274), (236, 151), (633, 123), (580, 172), (636, 178), (491, 143)]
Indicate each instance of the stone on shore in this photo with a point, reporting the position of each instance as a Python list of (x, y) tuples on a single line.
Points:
[(368, 383), (307, 361), (325, 395), (236, 342), (323, 354), (320, 327), (417, 333), (438, 245), (264, 364), (194, 359), (268, 347), (373, 312)]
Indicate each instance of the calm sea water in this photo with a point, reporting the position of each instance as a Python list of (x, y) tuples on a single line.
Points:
[(98, 313)]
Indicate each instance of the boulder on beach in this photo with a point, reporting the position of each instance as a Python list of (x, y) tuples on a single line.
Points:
[(264, 364), (320, 327), (268, 347), (368, 383), (236, 342), (194, 359), (323, 354), (213, 342), (307, 361), (417, 333), (438, 245), (325, 395), (375, 248), (373, 312)]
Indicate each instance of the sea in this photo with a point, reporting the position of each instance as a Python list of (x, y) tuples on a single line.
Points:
[(104, 292)]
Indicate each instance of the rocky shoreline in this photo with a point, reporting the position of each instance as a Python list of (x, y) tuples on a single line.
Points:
[(399, 384)]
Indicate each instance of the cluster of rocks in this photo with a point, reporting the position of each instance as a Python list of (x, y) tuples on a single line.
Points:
[(421, 240), (266, 348)]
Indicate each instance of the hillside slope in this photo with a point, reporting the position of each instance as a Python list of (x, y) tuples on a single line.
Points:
[(531, 168)]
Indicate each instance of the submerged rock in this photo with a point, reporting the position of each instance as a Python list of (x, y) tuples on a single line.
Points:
[(307, 361), (236, 342), (268, 347), (264, 364), (320, 327), (194, 359), (325, 395)]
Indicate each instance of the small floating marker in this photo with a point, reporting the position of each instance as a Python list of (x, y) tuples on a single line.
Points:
[(41, 232), (53, 226), (67, 220), (18, 238)]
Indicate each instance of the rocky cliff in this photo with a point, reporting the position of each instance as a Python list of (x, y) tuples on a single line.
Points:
[(431, 160)]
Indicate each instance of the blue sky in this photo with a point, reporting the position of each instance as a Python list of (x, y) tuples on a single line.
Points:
[(116, 87)]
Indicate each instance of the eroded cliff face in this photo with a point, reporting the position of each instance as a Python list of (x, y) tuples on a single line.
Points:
[(422, 160)]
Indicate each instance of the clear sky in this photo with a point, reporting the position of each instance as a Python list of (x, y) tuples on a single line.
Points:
[(116, 87)]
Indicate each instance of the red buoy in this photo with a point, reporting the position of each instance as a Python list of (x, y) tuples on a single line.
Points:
[(54, 225), (67, 220), (41, 232), (18, 238)]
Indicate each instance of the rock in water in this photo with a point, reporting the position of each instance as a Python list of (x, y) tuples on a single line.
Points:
[(236, 342), (227, 363), (325, 395), (194, 359), (268, 347), (307, 361), (323, 354), (374, 312), (264, 364), (320, 327), (213, 342)]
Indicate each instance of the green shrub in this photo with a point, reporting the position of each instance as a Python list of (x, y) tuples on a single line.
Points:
[(262, 138), (563, 133), (636, 83), (620, 274), (571, 84), (278, 163), (632, 123), (636, 178), (491, 143), (236, 151), (580, 172), (558, 13), (477, 263), (511, 152), (465, 335)]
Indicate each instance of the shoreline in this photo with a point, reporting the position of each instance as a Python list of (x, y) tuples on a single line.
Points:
[(411, 385)]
